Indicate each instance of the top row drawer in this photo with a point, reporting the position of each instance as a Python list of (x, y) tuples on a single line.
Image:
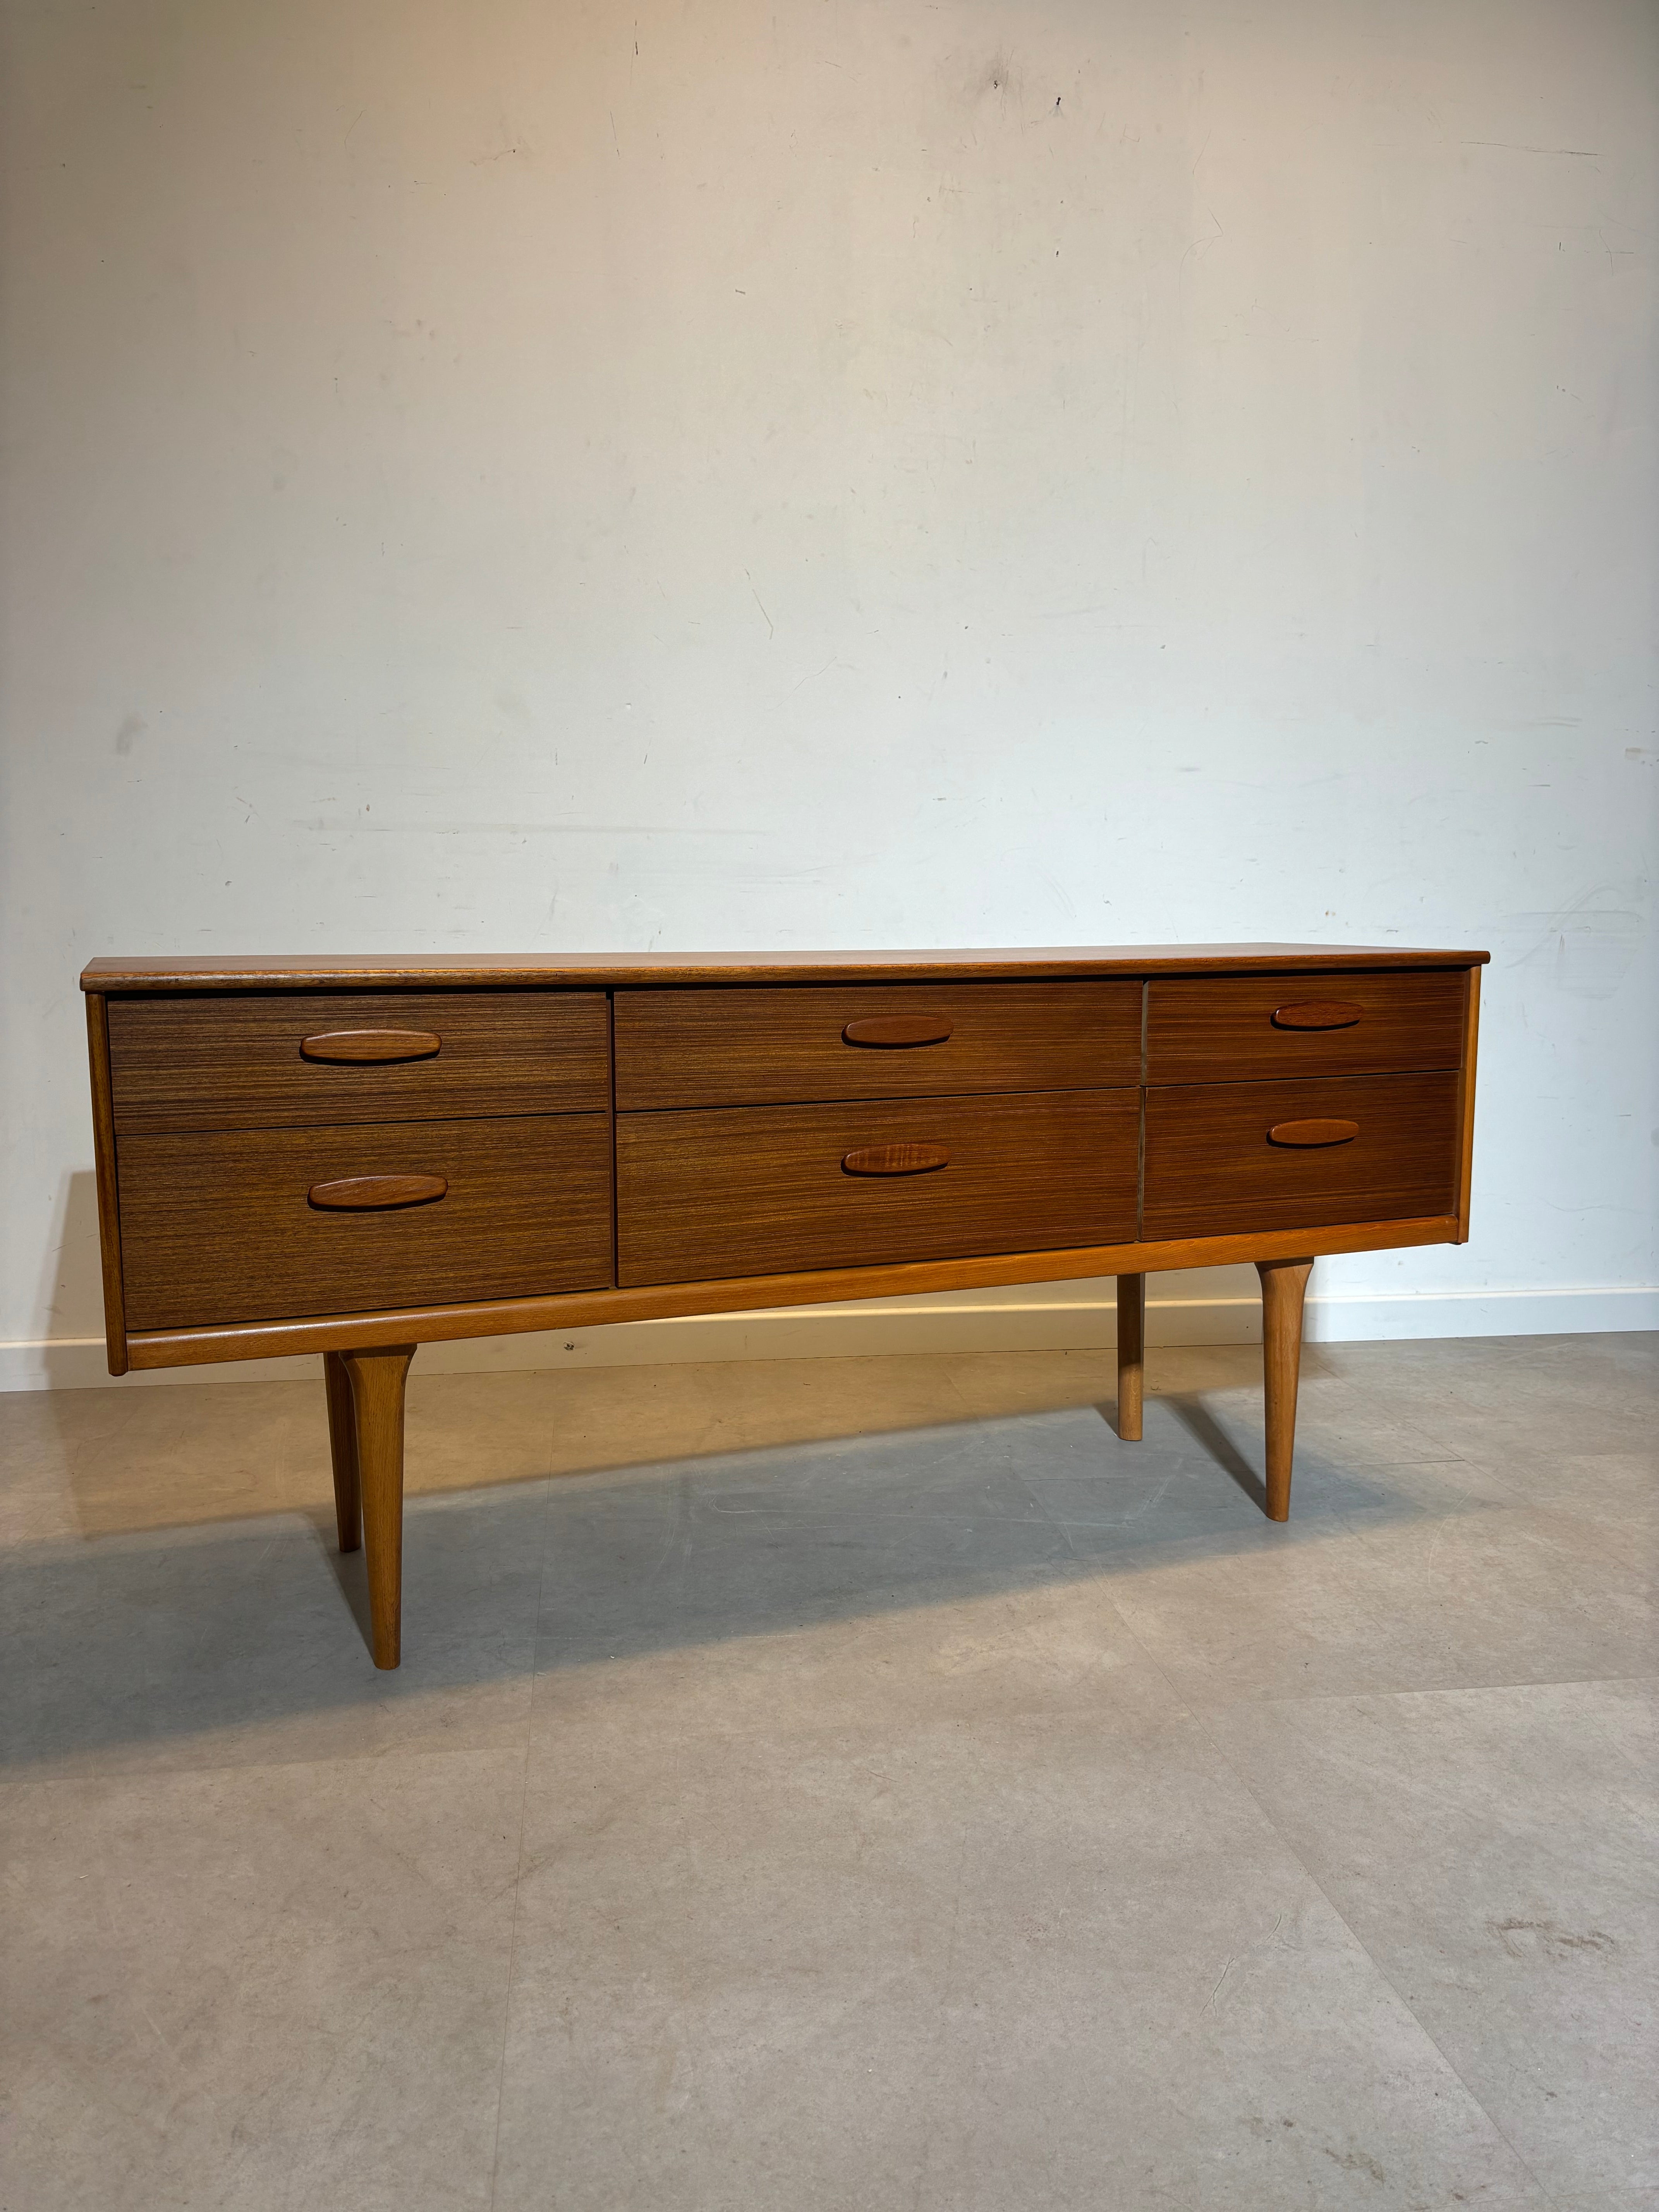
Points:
[(250, 1061), (1239, 1028), (788, 1043), (802, 1043), (277, 1059)]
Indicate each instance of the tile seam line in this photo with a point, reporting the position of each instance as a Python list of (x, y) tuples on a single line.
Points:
[(518, 1863), (1201, 1719), (1439, 1690)]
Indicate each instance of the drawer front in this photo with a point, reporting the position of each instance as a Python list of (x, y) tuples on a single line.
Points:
[(1233, 1028), (753, 1047), (251, 1225), (1227, 1159), (777, 1190), (253, 1060)]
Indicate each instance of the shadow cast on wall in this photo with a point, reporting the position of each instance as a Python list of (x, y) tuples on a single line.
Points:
[(71, 1296)]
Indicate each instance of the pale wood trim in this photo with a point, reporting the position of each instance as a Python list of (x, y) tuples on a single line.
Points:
[(1131, 1355), (109, 1210), (186, 1347), (1284, 1286)]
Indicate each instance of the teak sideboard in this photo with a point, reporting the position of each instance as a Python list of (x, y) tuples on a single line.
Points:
[(358, 1156)]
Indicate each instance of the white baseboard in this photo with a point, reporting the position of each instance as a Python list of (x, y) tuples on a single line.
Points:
[(1042, 1317)]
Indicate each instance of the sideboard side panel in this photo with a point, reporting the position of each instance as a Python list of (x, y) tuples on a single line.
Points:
[(1466, 1102), (109, 1210)]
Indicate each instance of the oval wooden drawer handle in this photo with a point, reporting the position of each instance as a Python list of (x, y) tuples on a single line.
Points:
[(1313, 1133), (375, 1193), (1318, 1014), (354, 1045), (895, 1160), (897, 1030)]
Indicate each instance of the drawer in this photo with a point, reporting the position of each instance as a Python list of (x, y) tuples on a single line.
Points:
[(281, 1060), (1232, 1027), (753, 1047), (1227, 1159), (777, 1190), (223, 1227)]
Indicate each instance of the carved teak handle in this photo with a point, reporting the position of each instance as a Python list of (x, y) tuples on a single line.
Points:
[(895, 1160), (1313, 1133), (352, 1047), (375, 1194), (891, 1029), (1318, 1014)]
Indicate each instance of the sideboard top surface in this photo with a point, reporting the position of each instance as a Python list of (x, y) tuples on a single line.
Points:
[(605, 970)]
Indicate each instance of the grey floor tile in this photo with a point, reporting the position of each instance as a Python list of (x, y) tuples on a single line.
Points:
[(1407, 1592), (259, 1990), (1495, 1851), (956, 1907)]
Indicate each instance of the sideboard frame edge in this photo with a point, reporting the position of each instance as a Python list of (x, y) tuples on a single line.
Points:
[(1465, 1101), (187, 1347), (116, 1342)]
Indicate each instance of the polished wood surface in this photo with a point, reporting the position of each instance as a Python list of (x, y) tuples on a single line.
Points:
[(367, 1194), (1231, 1028), (1212, 1167), (1313, 1133), (343, 1450), (897, 1031), (445, 1324), (109, 1209), (614, 971), (1318, 1014), (352, 1047), (378, 1380), (1284, 1286), (750, 1047), (1131, 1355), (895, 1159), (219, 1227), (746, 1190), (236, 1062)]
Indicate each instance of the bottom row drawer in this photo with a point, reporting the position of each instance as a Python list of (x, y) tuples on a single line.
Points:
[(765, 1190), (224, 1226), (1228, 1159)]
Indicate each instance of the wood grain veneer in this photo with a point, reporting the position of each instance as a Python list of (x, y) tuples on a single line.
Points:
[(744, 1191), (751, 1048), (1221, 1030), (219, 1227), (1212, 1165), (235, 1061)]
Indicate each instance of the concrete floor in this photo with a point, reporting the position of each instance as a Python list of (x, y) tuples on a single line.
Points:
[(842, 1784)]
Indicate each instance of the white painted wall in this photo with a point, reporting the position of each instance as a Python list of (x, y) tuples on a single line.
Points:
[(704, 473)]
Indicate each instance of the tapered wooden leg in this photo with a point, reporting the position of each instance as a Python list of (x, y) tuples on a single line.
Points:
[(377, 1379), (1130, 1354), (342, 1444), (1284, 1286)]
